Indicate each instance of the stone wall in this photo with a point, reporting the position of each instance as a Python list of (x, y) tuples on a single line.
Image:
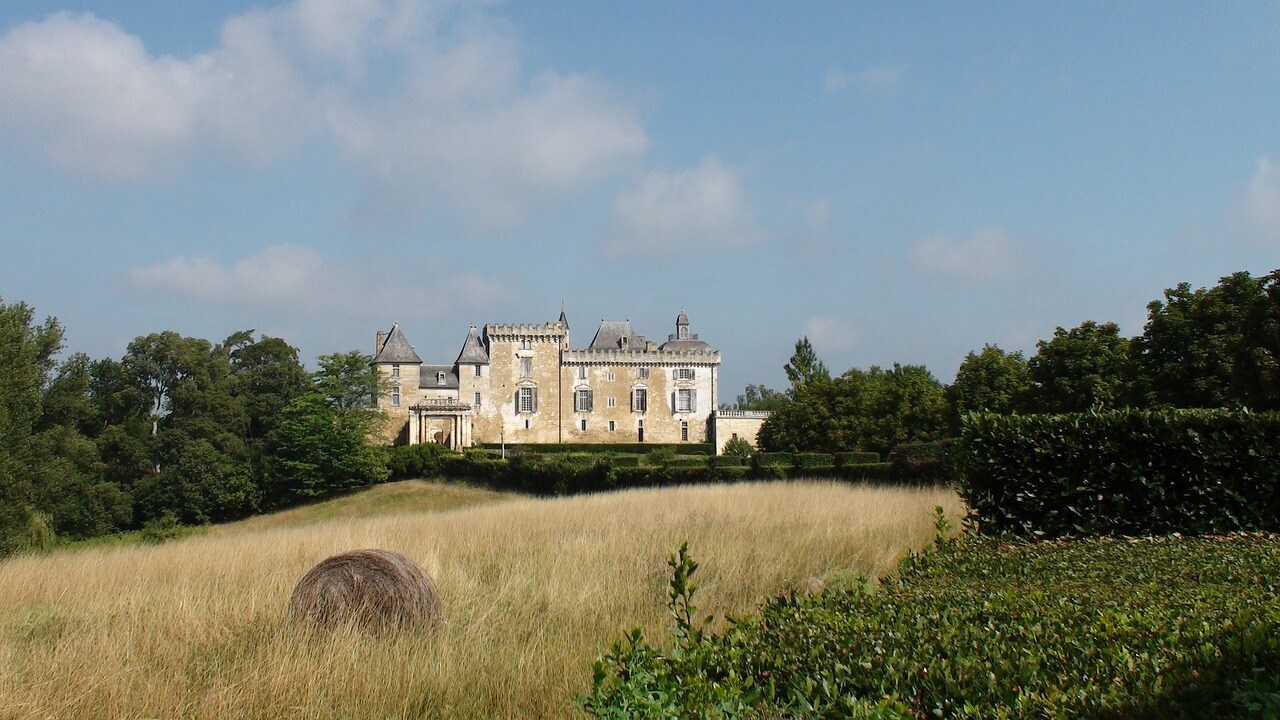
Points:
[(744, 424)]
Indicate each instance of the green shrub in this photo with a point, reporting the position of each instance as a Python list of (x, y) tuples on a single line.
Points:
[(730, 461), (812, 460), (603, 448), (772, 459), (661, 456), (975, 629), (922, 462), (845, 459), (162, 529), (689, 461), (738, 447), (424, 460), (1122, 472)]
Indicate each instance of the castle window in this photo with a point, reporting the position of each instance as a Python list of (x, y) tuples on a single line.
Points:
[(684, 373), (439, 378), (639, 400), (610, 375), (640, 430), (477, 371), (526, 367), (582, 400), (395, 395), (612, 427), (582, 372), (686, 400), (477, 402), (527, 400), (684, 431), (612, 402), (584, 424), (642, 373), (395, 371), (526, 344)]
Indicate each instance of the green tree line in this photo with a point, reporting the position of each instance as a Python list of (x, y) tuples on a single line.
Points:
[(179, 429), (1201, 348)]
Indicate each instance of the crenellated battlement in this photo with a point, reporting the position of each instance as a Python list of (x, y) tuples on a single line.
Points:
[(642, 357)]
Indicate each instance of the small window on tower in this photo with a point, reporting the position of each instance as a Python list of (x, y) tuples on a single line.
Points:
[(477, 401), (395, 371), (395, 395), (478, 371), (526, 367)]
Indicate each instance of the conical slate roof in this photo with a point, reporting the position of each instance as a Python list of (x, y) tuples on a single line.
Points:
[(473, 352), (396, 349)]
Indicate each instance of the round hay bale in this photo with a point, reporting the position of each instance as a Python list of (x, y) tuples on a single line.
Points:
[(373, 589), (810, 586)]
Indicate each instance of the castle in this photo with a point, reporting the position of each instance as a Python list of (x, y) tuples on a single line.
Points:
[(524, 384)]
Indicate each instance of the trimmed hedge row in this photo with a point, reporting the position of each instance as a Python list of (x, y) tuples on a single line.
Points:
[(1122, 472), (606, 448), (572, 473)]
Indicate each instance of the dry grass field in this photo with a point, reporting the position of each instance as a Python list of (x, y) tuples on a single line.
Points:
[(533, 591)]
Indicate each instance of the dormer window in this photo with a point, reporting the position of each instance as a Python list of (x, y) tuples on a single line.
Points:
[(439, 378), (623, 342)]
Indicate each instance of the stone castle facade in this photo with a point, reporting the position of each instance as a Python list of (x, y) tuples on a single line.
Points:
[(525, 384)]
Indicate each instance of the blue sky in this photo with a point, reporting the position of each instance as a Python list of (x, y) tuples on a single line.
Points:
[(898, 181)]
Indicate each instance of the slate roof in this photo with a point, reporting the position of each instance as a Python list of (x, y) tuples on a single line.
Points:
[(473, 352), (610, 334), (689, 344), (396, 349), (430, 373)]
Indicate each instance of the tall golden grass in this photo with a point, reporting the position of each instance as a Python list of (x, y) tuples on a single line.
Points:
[(533, 590)]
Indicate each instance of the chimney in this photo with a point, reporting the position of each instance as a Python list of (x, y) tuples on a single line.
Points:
[(382, 338)]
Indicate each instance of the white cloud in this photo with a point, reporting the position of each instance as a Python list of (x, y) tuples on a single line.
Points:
[(881, 77), (988, 254), (703, 206), (829, 333), (1255, 213), (292, 278), (281, 274), (430, 105)]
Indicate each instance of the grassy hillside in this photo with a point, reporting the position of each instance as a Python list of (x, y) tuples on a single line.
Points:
[(533, 590)]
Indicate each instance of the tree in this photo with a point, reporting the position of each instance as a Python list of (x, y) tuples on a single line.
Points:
[(759, 397), (317, 450), (1080, 368), (804, 365), (1216, 347), (873, 409), (26, 360), (989, 381), (348, 381)]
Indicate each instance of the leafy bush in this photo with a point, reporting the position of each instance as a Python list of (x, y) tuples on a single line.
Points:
[(927, 462), (424, 460), (845, 459), (738, 447), (812, 460), (1099, 628), (1122, 472), (602, 448), (772, 459)]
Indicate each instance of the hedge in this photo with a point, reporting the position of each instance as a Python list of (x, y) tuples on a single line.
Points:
[(568, 473), (844, 459), (976, 629), (812, 460), (925, 460), (602, 448), (1122, 472)]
